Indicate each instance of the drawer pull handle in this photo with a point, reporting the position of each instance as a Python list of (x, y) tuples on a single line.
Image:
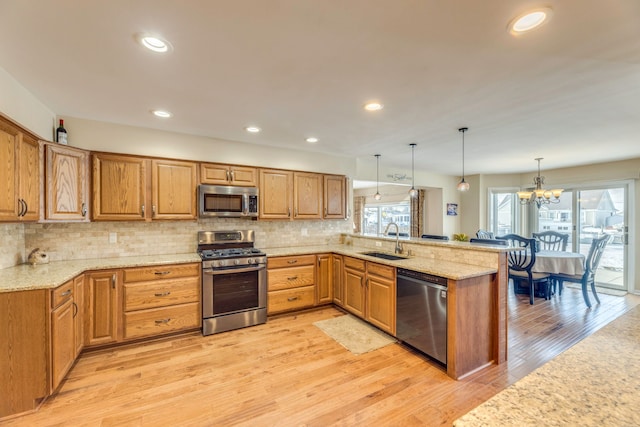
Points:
[(162, 294), (163, 321), (65, 293), (292, 278), (161, 273), (292, 261), (292, 298)]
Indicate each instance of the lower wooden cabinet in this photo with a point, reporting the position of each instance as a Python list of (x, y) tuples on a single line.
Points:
[(291, 283), (103, 307), (370, 292), (65, 336), (78, 325), (162, 320), (336, 277), (324, 288)]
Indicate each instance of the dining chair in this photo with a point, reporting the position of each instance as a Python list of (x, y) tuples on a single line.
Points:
[(520, 265), (591, 263), (483, 234), (551, 241), (489, 242), (434, 236)]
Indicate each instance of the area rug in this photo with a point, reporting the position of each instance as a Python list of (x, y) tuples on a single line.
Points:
[(599, 290), (353, 334)]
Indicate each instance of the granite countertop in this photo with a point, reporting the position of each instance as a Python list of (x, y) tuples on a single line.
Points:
[(594, 383), (448, 269), (45, 276)]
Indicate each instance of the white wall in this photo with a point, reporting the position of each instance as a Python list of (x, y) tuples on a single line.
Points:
[(22, 107)]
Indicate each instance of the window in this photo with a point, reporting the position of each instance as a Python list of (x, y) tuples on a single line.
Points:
[(503, 209), (377, 217)]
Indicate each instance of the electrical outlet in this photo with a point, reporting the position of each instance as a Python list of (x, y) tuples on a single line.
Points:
[(113, 237), (379, 244)]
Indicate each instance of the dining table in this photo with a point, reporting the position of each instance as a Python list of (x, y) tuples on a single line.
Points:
[(559, 262)]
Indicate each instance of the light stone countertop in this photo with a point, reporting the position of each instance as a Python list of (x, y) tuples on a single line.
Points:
[(594, 383), (448, 269), (47, 276)]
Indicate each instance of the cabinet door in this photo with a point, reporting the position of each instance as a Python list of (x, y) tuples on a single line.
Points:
[(276, 189), (78, 325), (335, 200), (67, 189), (324, 290), (62, 342), (243, 176), (103, 307), (29, 177), (381, 303), (214, 174), (119, 188), (8, 173), (354, 291), (174, 185), (337, 275), (307, 195)]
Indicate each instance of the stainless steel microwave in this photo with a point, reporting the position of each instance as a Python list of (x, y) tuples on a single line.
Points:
[(227, 201)]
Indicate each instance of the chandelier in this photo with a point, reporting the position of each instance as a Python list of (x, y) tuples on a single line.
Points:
[(539, 195)]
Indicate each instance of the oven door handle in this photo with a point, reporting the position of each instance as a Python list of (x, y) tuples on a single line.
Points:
[(233, 270)]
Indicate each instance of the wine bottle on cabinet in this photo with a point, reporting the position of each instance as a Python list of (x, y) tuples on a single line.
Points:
[(61, 134)]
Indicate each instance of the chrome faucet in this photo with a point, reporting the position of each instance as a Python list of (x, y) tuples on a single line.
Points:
[(398, 249)]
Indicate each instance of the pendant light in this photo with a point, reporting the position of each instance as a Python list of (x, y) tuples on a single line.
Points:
[(463, 185), (377, 196), (413, 192)]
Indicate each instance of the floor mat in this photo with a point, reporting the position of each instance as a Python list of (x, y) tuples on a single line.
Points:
[(353, 334)]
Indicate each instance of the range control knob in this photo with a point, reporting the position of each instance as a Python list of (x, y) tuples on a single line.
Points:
[(251, 261), (236, 262)]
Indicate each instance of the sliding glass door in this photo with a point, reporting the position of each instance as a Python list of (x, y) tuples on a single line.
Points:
[(588, 212)]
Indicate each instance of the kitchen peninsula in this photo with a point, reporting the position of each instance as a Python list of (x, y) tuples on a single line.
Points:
[(476, 302)]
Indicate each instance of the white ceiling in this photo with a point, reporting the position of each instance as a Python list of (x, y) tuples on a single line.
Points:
[(568, 92)]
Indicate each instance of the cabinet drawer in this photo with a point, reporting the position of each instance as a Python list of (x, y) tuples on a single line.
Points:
[(290, 261), (157, 321), (161, 272), (381, 270), (290, 299), (294, 277), (354, 263), (61, 294), (161, 293)]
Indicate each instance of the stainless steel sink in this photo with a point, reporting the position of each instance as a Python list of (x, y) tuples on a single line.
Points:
[(384, 255)]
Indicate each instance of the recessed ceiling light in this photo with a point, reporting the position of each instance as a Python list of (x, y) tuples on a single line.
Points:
[(253, 129), (312, 139), (153, 43), (161, 113), (530, 20), (373, 106)]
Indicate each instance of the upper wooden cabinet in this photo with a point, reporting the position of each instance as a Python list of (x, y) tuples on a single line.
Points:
[(301, 195), (66, 183), (276, 192), (19, 174), (307, 195), (219, 174), (173, 189), (120, 188), (335, 197)]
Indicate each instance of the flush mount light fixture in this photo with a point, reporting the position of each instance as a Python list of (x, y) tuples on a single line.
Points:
[(463, 185), (161, 113), (530, 20), (413, 192), (252, 129), (373, 106), (312, 139), (377, 196), (153, 43)]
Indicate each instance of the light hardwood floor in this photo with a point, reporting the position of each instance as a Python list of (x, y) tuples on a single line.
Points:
[(289, 373)]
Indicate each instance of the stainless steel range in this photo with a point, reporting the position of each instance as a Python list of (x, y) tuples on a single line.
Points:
[(234, 281)]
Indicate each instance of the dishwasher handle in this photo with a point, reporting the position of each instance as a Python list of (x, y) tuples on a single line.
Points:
[(418, 276)]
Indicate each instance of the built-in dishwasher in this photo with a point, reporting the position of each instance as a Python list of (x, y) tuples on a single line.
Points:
[(421, 312)]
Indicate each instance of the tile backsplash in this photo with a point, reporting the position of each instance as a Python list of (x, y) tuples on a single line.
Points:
[(68, 241)]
